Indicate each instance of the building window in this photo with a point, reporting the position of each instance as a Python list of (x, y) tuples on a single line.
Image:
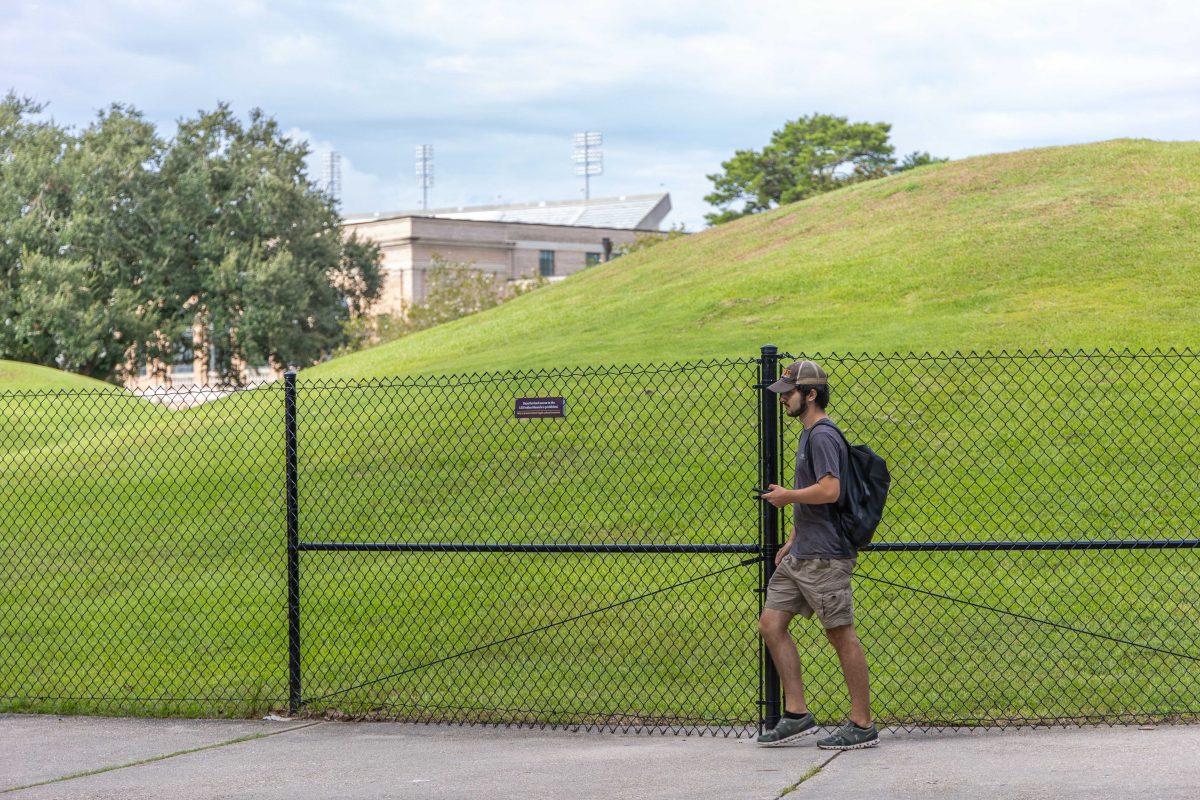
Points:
[(592, 259), (184, 362), (546, 263)]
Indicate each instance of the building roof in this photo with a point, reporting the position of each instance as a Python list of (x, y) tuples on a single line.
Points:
[(634, 211)]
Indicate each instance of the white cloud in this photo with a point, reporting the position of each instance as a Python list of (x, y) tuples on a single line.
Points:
[(677, 86), (361, 191)]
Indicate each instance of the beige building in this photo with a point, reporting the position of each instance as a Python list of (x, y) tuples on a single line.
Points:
[(514, 242), (191, 367)]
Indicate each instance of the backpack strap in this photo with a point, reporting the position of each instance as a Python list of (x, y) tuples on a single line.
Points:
[(808, 451), (845, 467), (828, 421)]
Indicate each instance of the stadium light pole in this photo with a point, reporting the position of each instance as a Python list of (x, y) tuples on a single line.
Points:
[(425, 172), (589, 160), (333, 174)]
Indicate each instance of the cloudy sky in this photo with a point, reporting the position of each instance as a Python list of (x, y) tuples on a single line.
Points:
[(499, 87)]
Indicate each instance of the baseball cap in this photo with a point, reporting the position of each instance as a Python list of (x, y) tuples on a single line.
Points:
[(800, 373)]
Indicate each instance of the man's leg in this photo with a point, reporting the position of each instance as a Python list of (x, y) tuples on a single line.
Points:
[(774, 627), (854, 668)]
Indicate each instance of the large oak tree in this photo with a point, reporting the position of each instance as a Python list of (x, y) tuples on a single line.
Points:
[(115, 241)]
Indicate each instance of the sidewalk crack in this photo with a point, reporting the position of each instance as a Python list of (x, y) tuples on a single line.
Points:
[(808, 775), (248, 738)]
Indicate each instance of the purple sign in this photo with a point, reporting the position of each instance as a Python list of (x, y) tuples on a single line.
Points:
[(538, 407)]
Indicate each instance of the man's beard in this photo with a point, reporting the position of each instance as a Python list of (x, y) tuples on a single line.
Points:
[(802, 409)]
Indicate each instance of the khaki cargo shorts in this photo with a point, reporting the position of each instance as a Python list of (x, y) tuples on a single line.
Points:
[(814, 585)]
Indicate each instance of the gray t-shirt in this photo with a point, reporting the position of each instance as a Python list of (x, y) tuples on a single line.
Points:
[(816, 534)]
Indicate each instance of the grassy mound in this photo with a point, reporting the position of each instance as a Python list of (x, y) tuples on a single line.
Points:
[(1089, 246), (16, 376)]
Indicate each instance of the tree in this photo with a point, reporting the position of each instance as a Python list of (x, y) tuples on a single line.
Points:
[(69, 316), (260, 246), (117, 196), (453, 289), (115, 244), (85, 282), (807, 156), (917, 158), (34, 200), (644, 241)]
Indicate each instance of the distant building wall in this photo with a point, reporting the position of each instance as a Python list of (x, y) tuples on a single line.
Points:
[(509, 250), (191, 368)]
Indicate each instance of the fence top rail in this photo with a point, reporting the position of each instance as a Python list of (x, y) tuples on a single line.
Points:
[(441, 380), (448, 380), (1002, 355)]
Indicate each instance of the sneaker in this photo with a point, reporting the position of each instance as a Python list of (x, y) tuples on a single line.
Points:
[(850, 737), (788, 729)]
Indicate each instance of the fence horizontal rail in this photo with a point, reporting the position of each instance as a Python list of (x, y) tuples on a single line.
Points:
[(876, 547), (1110, 544), (438, 547)]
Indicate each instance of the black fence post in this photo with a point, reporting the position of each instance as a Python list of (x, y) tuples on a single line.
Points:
[(768, 473), (293, 542)]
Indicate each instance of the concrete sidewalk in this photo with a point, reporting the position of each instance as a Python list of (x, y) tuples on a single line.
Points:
[(89, 757)]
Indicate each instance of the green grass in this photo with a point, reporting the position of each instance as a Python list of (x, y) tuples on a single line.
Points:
[(1091, 246), (144, 548), (17, 377)]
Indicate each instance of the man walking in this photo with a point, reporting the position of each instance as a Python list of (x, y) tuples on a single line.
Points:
[(813, 568)]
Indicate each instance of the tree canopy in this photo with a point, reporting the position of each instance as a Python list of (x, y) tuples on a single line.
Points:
[(807, 156), (115, 243)]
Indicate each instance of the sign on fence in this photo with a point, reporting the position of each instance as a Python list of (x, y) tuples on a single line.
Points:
[(538, 407)]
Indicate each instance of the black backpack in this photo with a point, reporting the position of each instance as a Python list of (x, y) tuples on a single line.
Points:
[(865, 481)]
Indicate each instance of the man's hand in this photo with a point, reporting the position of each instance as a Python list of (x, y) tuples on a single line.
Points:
[(777, 495), (783, 551)]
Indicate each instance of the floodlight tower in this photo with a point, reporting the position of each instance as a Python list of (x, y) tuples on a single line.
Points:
[(589, 160), (425, 172), (333, 174)]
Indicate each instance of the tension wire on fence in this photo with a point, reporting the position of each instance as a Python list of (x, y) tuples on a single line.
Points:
[(743, 563), (1028, 618)]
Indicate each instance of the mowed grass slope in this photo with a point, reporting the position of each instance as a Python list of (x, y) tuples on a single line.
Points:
[(145, 548), (1069, 247), (16, 376)]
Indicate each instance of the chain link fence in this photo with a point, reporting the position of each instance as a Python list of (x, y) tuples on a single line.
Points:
[(419, 549), (1038, 559)]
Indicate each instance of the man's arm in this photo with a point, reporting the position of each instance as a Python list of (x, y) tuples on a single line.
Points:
[(826, 490)]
